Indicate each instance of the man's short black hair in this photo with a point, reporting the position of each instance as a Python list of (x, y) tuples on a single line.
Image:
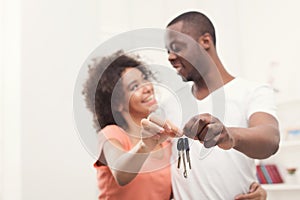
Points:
[(197, 22)]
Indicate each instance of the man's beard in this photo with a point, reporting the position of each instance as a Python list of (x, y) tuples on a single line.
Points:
[(187, 78)]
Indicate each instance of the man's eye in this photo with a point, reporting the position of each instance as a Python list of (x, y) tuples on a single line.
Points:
[(175, 47)]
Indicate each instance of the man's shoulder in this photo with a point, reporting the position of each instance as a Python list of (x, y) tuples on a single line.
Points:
[(244, 81), (246, 84)]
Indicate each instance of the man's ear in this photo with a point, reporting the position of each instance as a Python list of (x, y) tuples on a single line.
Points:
[(205, 41)]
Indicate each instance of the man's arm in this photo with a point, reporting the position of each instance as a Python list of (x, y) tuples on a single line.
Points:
[(260, 140)]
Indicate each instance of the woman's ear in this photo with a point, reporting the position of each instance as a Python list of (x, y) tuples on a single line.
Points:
[(205, 41), (117, 105), (117, 108), (120, 108)]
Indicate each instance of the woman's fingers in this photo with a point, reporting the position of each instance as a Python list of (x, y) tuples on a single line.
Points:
[(150, 128), (170, 129)]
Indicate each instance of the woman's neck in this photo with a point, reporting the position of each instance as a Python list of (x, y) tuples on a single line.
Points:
[(133, 128)]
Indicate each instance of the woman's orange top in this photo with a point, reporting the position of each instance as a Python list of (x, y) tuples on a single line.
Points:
[(153, 182)]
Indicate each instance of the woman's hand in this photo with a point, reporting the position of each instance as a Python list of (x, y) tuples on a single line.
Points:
[(170, 129), (156, 130)]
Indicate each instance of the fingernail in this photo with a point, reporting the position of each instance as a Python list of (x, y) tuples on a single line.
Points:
[(180, 133), (168, 127), (161, 130)]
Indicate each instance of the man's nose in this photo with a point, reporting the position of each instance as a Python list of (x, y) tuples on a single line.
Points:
[(172, 56)]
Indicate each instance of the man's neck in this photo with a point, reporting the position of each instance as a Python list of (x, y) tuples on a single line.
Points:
[(202, 88), (216, 78)]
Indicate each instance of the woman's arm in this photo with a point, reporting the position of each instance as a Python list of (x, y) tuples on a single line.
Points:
[(125, 165)]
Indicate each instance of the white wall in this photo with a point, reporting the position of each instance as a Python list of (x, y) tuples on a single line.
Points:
[(56, 38), (270, 44), (119, 16), (10, 135), (1, 97)]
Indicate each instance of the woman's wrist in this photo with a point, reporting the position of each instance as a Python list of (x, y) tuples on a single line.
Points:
[(144, 147)]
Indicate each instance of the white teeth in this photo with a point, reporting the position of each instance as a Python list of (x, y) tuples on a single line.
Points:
[(149, 98)]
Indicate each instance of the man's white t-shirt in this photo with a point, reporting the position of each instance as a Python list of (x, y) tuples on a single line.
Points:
[(217, 173)]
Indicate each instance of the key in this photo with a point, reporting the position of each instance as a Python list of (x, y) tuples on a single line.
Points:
[(181, 155), (183, 160), (179, 149), (187, 151)]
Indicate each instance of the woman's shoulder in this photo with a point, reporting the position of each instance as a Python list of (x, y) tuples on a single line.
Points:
[(114, 132), (111, 129)]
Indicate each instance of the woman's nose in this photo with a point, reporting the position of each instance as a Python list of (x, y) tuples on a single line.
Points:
[(147, 87)]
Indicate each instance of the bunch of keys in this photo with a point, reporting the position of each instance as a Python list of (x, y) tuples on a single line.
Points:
[(183, 150)]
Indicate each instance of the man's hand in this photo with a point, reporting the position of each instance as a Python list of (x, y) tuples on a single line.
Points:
[(256, 193), (210, 131)]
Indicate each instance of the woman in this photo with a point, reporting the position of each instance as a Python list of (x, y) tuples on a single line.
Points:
[(134, 160), (122, 99)]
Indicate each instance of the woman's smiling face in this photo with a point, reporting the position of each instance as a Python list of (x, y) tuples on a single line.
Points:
[(138, 93)]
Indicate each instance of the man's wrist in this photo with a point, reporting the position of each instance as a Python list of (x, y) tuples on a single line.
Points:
[(233, 136)]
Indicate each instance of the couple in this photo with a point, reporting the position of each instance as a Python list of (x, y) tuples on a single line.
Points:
[(132, 144)]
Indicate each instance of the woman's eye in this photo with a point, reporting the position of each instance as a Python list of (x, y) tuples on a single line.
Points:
[(145, 79), (134, 87)]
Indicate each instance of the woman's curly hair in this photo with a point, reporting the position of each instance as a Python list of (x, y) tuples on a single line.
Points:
[(103, 76)]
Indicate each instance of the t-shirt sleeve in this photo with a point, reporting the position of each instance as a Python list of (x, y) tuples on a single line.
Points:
[(112, 132), (262, 99)]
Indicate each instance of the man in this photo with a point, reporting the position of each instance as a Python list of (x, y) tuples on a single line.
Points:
[(238, 115)]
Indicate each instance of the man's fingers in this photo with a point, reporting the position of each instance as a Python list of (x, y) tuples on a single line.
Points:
[(255, 193), (211, 134), (191, 128), (188, 128), (196, 125), (253, 187), (246, 196), (207, 136)]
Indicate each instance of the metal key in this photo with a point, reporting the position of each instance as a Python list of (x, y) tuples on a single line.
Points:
[(179, 149), (187, 151), (183, 160), (181, 155)]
